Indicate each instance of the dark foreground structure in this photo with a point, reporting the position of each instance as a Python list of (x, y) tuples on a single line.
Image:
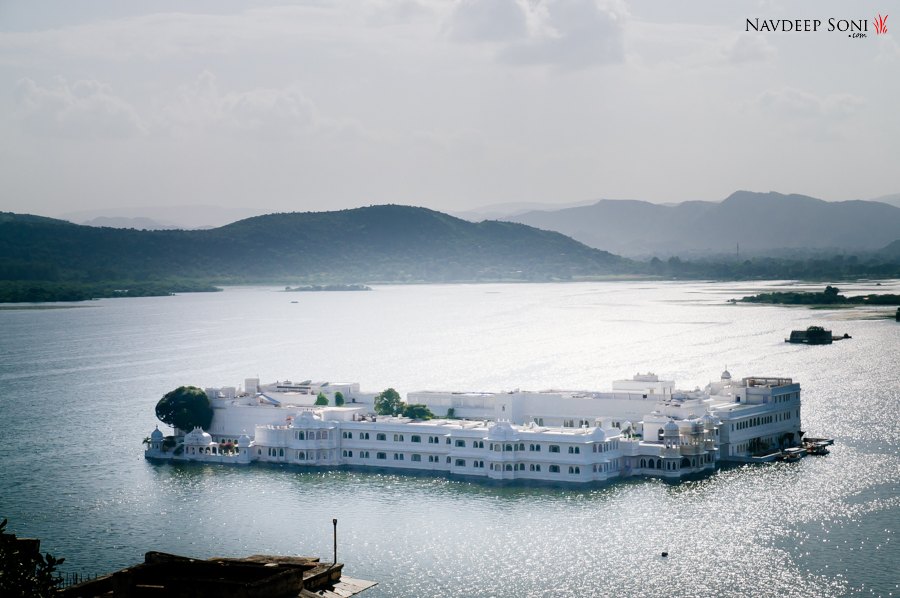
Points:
[(257, 576)]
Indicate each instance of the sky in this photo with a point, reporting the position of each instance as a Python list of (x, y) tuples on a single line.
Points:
[(447, 104)]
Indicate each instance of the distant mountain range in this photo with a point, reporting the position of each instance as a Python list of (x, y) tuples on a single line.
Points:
[(757, 223), (379, 243), (188, 217)]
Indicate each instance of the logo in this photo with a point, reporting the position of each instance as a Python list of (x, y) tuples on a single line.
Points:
[(880, 23)]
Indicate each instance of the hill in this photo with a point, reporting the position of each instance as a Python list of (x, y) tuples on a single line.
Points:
[(762, 223), (378, 243)]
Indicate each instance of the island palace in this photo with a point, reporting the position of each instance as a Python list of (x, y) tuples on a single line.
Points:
[(643, 427)]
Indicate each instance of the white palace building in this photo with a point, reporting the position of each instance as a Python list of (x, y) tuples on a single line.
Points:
[(642, 427)]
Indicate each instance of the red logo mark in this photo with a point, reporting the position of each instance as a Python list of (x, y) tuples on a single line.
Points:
[(881, 24)]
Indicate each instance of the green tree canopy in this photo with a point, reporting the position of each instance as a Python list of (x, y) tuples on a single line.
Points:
[(338, 398), (321, 399), (417, 411), (388, 402), (185, 408), (24, 572)]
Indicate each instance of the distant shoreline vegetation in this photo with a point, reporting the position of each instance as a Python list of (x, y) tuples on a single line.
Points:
[(830, 296), (35, 291), (327, 287)]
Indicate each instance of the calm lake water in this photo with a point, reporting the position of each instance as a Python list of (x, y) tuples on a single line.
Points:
[(78, 388)]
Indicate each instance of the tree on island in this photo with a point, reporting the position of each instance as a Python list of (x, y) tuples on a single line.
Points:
[(185, 408), (338, 398), (417, 411), (388, 402), (321, 399), (24, 572)]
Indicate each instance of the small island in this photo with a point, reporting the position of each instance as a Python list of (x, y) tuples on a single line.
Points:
[(830, 296), (328, 287)]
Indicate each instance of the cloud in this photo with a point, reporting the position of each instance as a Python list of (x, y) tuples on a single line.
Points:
[(750, 48), (263, 112), (797, 104), (489, 21), (561, 33), (84, 109)]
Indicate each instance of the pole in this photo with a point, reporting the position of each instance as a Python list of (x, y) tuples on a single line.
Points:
[(334, 523)]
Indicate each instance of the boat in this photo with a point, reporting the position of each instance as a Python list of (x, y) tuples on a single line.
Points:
[(814, 335), (793, 454)]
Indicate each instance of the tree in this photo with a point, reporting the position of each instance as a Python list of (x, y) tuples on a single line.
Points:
[(417, 411), (451, 413), (338, 398), (321, 399), (388, 402), (185, 408), (24, 572)]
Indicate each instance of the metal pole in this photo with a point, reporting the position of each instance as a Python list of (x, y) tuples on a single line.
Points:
[(334, 522)]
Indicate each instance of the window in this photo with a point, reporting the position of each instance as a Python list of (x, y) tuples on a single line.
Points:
[(432, 459), (348, 434), (554, 469), (364, 435), (416, 458), (534, 447), (416, 438), (479, 464), (380, 436), (478, 444), (301, 456), (300, 436), (363, 454), (381, 455), (508, 447), (448, 440), (461, 443), (398, 456), (398, 437), (448, 460), (574, 469), (509, 467), (554, 448), (348, 453), (460, 463), (574, 450), (281, 452)]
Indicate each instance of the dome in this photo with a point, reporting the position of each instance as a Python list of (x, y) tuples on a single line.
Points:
[(197, 436), (671, 428), (243, 441), (156, 435), (598, 434), (726, 375), (709, 421)]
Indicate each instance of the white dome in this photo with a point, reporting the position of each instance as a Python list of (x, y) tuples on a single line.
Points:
[(598, 434), (501, 431), (197, 437), (243, 441), (671, 427), (726, 375), (156, 434)]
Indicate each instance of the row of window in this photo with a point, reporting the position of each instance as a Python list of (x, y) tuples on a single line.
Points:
[(478, 444), (311, 435), (761, 421)]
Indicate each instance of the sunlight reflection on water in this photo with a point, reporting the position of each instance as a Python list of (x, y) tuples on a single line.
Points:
[(79, 388)]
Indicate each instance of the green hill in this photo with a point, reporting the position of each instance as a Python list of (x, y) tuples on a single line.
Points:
[(387, 243)]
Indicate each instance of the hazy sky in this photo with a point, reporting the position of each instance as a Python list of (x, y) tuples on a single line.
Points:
[(440, 103)]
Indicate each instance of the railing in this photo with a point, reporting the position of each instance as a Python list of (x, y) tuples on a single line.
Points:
[(73, 578)]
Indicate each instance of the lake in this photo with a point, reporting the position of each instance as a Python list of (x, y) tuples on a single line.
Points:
[(78, 388)]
